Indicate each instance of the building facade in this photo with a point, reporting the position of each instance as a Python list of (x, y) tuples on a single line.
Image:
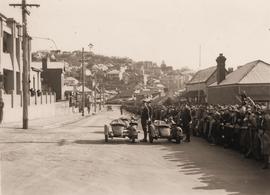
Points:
[(10, 55), (252, 79), (53, 77), (196, 88)]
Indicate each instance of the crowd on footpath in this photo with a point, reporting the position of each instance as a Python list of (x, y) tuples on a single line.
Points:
[(75, 101), (244, 127)]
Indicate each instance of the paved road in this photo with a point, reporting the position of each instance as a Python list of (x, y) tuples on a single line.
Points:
[(72, 158)]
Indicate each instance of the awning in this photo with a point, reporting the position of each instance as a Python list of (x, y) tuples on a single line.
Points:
[(6, 62)]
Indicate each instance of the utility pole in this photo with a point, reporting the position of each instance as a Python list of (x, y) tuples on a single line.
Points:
[(100, 93), (95, 93), (103, 95), (83, 83), (25, 78), (200, 63)]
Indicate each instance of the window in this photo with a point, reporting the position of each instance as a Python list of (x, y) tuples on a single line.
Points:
[(6, 43)]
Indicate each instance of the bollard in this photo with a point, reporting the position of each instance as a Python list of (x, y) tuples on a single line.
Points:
[(12, 100), (21, 100), (46, 97), (50, 97), (35, 98), (41, 98)]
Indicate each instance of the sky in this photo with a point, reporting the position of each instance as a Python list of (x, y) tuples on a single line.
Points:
[(156, 30)]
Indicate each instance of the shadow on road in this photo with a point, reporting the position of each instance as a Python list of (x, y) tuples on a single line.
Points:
[(218, 168), (122, 141), (30, 142), (102, 142)]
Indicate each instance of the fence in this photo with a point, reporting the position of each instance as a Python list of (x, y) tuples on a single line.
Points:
[(39, 106), (15, 101)]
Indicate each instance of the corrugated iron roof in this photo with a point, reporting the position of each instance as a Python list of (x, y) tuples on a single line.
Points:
[(251, 73), (203, 75), (258, 74)]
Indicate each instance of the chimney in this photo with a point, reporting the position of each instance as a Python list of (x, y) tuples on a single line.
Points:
[(221, 71)]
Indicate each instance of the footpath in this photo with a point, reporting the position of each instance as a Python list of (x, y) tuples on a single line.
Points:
[(50, 122)]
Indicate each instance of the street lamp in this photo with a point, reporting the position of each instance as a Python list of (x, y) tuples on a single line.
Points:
[(46, 38), (90, 45), (83, 78)]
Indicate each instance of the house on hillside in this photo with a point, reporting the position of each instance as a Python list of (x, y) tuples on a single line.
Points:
[(173, 82), (71, 81), (252, 78), (114, 75), (196, 88)]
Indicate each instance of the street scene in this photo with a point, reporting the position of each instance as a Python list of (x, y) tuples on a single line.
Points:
[(72, 158), (134, 97)]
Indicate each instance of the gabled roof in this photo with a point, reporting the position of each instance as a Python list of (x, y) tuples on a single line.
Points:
[(71, 81), (256, 72), (203, 75)]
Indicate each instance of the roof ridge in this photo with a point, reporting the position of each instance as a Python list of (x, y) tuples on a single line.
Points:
[(253, 66), (194, 76)]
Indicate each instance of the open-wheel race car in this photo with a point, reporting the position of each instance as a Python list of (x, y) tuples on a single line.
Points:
[(165, 129), (121, 128)]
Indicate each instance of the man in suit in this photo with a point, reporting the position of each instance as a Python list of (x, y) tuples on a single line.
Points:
[(145, 118), (185, 119)]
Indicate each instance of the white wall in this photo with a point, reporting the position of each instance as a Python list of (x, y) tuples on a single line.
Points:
[(37, 111)]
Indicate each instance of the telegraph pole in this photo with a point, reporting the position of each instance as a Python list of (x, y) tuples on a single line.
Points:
[(100, 93), (95, 94), (83, 82), (25, 78)]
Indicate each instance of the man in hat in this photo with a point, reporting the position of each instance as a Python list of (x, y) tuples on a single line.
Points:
[(186, 118), (145, 118), (151, 112)]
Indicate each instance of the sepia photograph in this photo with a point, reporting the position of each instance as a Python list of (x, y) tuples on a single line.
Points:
[(134, 97)]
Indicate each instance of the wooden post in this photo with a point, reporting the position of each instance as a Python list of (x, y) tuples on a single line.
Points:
[(83, 83), (24, 6), (36, 98), (50, 97), (41, 98), (12, 100), (46, 97)]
